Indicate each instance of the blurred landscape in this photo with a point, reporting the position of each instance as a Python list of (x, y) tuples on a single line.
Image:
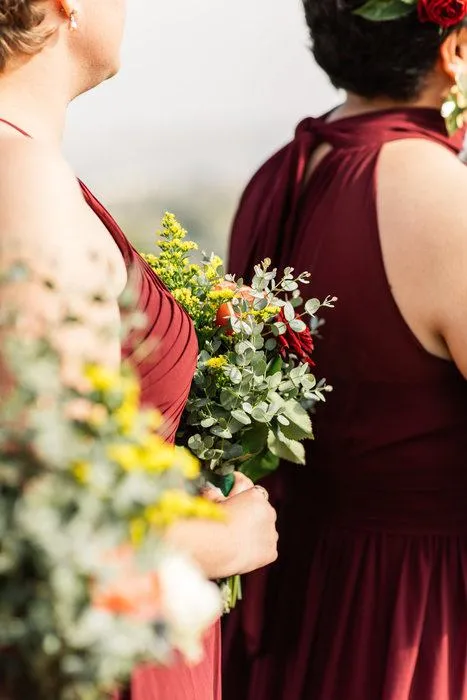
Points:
[(207, 91)]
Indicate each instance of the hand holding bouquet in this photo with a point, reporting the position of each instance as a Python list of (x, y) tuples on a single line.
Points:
[(254, 388)]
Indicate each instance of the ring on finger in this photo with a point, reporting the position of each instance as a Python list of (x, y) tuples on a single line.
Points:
[(263, 491)]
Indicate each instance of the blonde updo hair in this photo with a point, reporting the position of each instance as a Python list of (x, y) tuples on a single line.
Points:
[(20, 29)]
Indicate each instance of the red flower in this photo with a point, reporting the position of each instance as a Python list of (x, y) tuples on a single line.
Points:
[(225, 316), (445, 13), (293, 343), (226, 313)]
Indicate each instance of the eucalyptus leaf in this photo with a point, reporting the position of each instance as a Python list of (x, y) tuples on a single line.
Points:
[(258, 342), (282, 447), (255, 439), (308, 381), (312, 306), (218, 431), (289, 311), (241, 417), (208, 422), (259, 466), (292, 431), (259, 365), (297, 325), (235, 375), (275, 380), (279, 328), (259, 414), (228, 399), (289, 285), (260, 303), (298, 416)]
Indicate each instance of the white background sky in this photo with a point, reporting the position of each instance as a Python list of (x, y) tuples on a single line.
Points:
[(208, 88)]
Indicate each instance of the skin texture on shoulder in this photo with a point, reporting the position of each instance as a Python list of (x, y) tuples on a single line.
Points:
[(422, 213), (46, 225)]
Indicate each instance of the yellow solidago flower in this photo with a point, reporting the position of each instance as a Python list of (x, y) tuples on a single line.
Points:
[(159, 456), (217, 362), (265, 314), (81, 471), (178, 245), (176, 505), (221, 295), (101, 378), (138, 530), (126, 456), (155, 455), (211, 269), (127, 413), (272, 310), (188, 300), (187, 463), (172, 227), (131, 389), (125, 416)]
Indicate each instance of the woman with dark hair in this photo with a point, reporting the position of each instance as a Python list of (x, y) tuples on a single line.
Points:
[(368, 600)]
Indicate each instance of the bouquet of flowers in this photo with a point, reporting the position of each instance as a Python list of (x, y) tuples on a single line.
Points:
[(87, 486), (254, 387)]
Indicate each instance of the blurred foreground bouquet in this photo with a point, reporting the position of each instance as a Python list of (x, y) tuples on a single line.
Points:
[(254, 387), (87, 485)]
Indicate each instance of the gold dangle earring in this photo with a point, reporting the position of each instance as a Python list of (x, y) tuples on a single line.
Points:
[(455, 105)]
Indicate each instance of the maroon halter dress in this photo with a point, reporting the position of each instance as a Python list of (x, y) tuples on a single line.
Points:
[(368, 600), (165, 358)]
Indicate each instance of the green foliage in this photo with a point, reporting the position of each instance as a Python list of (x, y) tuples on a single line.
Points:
[(386, 10), (250, 403)]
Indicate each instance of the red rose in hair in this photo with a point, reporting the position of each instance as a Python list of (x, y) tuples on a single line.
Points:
[(445, 13), (299, 344)]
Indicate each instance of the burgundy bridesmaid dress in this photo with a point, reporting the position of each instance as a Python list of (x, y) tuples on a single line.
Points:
[(166, 370), (368, 600), (164, 354)]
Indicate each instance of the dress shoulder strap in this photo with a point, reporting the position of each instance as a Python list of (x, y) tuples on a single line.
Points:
[(15, 127), (108, 221)]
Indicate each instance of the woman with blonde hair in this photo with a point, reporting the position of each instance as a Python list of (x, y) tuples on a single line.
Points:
[(50, 52)]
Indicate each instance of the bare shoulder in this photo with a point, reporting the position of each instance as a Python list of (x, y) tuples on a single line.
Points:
[(44, 217), (422, 189), (422, 214), (418, 171), (74, 267)]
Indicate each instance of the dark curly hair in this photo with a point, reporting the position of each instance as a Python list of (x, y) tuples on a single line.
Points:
[(372, 59)]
